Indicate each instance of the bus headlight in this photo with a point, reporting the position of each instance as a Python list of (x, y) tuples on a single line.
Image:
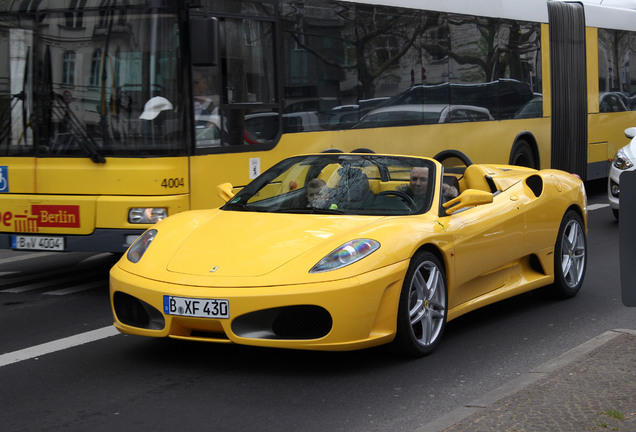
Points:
[(147, 215)]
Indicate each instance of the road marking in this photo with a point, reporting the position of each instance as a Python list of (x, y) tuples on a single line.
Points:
[(28, 256), (58, 345), (45, 284), (597, 206), (78, 288)]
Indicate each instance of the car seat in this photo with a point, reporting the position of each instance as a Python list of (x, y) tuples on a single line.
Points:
[(353, 189), (476, 177)]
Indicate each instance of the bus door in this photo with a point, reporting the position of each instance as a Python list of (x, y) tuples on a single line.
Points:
[(234, 74), (235, 92)]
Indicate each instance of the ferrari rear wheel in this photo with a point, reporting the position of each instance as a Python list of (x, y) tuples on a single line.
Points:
[(423, 306), (570, 256)]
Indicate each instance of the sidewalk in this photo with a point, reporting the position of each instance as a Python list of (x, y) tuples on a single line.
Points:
[(589, 388)]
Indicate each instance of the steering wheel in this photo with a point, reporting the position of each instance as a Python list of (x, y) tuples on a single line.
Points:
[(449, 154), (407, 199)]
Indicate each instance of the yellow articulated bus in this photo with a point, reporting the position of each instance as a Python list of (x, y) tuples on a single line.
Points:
[(118, 113)]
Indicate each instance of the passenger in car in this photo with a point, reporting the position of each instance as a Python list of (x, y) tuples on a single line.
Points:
[(317, 193), (448, 192)]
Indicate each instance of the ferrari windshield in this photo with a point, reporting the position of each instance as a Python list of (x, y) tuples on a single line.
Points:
[(362, 184)]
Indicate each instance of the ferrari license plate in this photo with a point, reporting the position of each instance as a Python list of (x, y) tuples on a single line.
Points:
[(196, 307), (49, 243)]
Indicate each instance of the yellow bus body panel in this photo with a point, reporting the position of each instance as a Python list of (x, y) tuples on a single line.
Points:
[(77, 196), (48, 214), (545, 65), (21, 174), (118, 176), (592, 70)]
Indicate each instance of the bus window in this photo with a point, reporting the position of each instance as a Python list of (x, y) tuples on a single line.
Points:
[(81, 86), (244, 97), (617, 89), (363, 65), (204, 41)]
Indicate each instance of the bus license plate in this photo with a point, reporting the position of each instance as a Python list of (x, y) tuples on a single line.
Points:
[(196, 307), (47, 243)]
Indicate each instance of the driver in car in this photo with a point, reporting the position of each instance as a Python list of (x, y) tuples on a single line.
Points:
[(418, 184)]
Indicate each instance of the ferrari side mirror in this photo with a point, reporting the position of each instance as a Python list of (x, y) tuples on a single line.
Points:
[(224, 191), (468, 198)]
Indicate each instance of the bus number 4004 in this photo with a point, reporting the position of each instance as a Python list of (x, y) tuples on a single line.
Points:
[(170, 183)]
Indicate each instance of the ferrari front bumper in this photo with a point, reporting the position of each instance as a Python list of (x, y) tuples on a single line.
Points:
[(344, 314)]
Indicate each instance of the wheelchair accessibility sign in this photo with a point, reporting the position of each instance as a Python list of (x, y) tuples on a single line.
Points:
[(4, 179)]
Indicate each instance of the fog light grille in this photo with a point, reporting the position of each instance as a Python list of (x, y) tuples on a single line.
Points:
[(289, 322), (302, 322), (137, 313)]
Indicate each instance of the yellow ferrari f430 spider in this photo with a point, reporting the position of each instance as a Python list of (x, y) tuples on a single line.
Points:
[(342, 251)]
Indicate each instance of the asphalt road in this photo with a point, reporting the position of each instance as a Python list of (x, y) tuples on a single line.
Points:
[(62, 367)]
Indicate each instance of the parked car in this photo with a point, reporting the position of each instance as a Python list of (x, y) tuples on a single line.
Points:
[(376, 260), (532, 109), (623, 160), (407, 115), (613, 102)]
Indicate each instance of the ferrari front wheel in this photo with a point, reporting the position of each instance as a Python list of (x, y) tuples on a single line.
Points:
[(570, 256), (423, 306)]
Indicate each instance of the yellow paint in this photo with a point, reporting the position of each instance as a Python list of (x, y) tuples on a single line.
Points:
[(606, 133), (545, 65), (592, 69)]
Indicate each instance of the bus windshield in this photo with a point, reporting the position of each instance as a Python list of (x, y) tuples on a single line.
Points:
[(91, 83)]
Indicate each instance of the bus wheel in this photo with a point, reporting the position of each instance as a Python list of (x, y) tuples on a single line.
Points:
[(523, 155)]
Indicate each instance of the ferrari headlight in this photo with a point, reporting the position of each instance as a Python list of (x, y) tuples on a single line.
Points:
[(346, 254), (621, 161), (147, 215), (138, 248)]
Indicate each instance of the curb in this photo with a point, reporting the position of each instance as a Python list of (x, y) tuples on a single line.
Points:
[(489, 399)]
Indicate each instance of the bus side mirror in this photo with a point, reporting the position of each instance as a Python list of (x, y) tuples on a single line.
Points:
[(224, 191), (468, 198), (630, 132), (204, 41)]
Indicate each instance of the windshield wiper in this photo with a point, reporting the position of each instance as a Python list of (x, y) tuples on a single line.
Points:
[(235, 206), (76, 130), (245, 207), (316, 210)]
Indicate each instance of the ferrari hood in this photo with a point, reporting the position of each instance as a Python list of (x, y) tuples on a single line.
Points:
[(245, 244)]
